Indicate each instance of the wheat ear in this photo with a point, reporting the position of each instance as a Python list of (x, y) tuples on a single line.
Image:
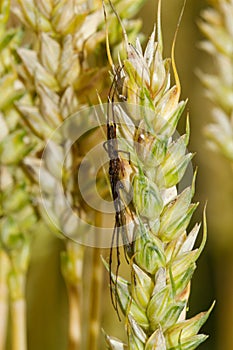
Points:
[(163, 257)]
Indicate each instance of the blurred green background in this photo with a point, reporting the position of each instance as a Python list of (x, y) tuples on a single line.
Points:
[(46, 293)]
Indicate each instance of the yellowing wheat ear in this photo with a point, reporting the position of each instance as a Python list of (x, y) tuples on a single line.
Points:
[(216, 25), (154, 301)]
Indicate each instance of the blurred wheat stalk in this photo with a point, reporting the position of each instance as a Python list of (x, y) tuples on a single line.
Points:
[(154, 301), (17, 215), (217, 26)]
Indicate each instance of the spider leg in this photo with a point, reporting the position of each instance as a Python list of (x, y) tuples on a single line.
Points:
[(117, 269), (105, 145), (111, 281)]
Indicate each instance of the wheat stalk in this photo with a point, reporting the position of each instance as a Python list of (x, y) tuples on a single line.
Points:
[(4, 269), (216, 25), (162, 258)]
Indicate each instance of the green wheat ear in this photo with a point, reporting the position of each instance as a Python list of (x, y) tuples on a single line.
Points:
[(216, 25), (154, 301)]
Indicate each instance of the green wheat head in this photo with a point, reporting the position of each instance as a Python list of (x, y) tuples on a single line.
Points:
[(154, 301)]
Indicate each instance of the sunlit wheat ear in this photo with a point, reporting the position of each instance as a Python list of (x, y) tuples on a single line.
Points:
[(154, 301), (216, 25)]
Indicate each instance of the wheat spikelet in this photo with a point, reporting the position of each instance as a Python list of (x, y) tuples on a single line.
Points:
[(163, 259)]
